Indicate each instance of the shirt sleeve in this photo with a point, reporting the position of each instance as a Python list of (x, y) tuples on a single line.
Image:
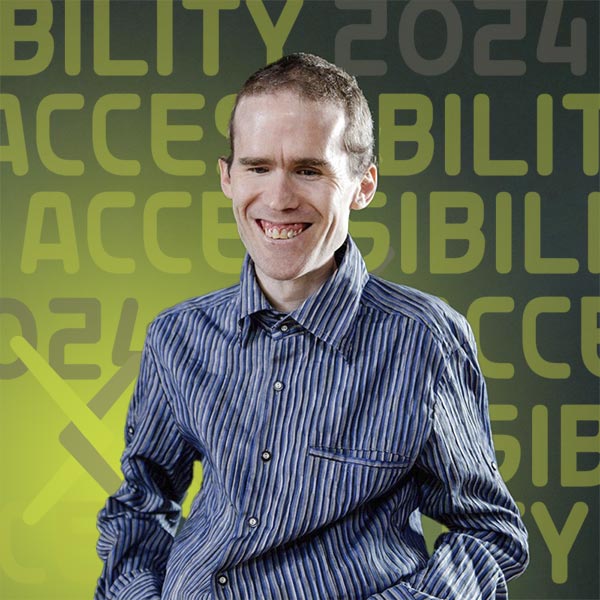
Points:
[(460, 486), (138, 522)]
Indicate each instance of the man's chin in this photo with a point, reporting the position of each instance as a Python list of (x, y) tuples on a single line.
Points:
[(281, 274)]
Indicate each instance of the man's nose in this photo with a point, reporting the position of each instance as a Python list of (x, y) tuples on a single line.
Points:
[(280, 193)]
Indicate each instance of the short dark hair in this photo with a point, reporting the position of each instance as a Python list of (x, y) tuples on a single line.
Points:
[(316, 79)]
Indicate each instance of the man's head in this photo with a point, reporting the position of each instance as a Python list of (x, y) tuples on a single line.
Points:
[(313, 78), (296, 172)]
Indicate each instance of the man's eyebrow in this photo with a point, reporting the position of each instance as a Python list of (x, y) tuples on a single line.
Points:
[(254, 161), (312, 162)]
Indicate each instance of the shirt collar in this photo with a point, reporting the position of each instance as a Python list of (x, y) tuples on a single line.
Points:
[(329, 313), (252, 299)]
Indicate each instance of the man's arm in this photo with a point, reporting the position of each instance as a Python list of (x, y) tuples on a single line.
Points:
[(139, 521), (462, 488)]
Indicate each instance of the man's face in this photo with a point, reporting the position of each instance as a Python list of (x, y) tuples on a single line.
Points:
[(291, 185)]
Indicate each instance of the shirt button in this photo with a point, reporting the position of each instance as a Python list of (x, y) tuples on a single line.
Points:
[(284, 328), (278, 386), (494, 466), (222, 580), (266, 455), (253, 522), (130, 430)]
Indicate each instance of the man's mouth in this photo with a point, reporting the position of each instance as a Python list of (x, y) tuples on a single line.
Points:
[(282, 231)]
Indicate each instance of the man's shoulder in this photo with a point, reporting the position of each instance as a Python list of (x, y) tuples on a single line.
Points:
[(445, 324), (212, 302)]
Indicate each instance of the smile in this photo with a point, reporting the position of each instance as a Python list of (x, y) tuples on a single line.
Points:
[(282, 231)]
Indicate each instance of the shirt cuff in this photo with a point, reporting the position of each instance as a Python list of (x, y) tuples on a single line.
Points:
[(136, 585)]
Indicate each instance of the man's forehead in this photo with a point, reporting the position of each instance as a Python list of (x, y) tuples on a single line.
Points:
[(287, 97), (268, 126)]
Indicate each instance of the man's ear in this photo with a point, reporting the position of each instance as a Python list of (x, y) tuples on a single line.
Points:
[(366, 191), (225, 177)]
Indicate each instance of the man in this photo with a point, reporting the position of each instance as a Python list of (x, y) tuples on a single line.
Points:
[(329, 408)]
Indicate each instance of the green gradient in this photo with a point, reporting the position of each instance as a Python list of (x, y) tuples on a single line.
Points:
[(54, 557)]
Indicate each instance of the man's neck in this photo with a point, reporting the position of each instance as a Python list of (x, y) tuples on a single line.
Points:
[(288, 294)]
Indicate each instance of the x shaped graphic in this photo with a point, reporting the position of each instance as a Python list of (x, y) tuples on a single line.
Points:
[(89, 441)]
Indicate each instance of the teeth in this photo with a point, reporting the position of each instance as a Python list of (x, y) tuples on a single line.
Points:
[(282, 234)]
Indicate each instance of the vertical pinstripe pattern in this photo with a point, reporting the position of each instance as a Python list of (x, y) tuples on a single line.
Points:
[(323, 435)]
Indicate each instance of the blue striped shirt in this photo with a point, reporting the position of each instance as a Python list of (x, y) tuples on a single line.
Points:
[(323, 435)]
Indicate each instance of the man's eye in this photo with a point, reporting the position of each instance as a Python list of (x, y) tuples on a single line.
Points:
[(308, 172), (258, 169)]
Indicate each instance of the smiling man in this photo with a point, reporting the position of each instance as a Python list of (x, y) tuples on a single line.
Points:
[(292, 186), (329, 408)]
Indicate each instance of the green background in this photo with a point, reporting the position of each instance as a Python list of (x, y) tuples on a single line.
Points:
[(53, 483)]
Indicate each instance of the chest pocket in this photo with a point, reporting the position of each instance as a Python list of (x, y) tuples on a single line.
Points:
[(343, 478), (361, 456)]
